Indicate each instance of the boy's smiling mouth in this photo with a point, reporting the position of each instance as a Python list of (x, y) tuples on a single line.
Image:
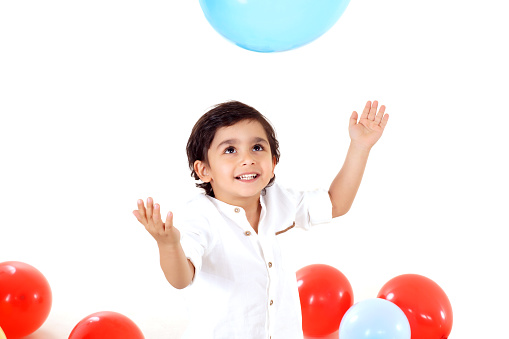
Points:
[(247, 177)]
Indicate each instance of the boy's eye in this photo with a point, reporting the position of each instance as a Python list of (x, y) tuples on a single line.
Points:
[(229, 150), (257, 148)]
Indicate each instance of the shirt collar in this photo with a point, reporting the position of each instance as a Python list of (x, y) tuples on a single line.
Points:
[(235, 212)]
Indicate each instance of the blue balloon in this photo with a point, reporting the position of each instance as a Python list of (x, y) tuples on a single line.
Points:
[(374, 319), (272, 25)]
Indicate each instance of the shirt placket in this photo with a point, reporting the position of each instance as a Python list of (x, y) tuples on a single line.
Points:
[(268, 257)]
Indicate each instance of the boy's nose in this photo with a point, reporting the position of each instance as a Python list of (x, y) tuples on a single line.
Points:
[(247, 159)]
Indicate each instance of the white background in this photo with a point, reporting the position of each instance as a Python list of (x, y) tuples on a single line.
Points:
[(97, 100)]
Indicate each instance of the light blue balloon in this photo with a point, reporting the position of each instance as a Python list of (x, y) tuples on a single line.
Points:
[(374, 319), (272, 25)]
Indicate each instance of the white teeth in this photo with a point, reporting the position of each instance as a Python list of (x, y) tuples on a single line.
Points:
[(247, 176)]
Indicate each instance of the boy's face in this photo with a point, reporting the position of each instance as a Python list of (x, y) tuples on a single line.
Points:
[(240, 162)]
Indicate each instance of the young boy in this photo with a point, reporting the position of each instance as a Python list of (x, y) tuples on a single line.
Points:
[(226, 246)]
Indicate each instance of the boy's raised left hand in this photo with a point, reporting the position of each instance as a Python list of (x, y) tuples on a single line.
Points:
[(164, 233), (369, 128)]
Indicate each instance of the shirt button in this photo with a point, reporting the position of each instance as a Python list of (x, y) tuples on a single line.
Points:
[(271, 302), (237, 210), (247, 233), (270, 264)]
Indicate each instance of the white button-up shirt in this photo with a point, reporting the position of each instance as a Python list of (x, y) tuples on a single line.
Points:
[(242, 288)]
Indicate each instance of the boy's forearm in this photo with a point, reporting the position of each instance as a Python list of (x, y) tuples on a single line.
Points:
[(178, 270), (346, 184)]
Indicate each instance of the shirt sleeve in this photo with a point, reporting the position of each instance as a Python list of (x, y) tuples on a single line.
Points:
[(308, 208), (193, 247), (313, 208), (195, 236)]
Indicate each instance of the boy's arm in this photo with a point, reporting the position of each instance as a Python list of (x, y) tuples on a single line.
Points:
[(178, 270), (344, 187), (363, 134)]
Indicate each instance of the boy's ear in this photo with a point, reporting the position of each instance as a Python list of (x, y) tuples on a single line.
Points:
[(274, 162), (200, 168)]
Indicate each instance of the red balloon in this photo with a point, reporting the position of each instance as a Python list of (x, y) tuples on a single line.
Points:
[(325, 296), (425, 304), (25, 299), (106, 325)]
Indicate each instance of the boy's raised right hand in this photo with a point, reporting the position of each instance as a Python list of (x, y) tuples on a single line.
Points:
[(164, 233)]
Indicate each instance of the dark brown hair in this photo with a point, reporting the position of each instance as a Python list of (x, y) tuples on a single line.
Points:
[(224, 115)]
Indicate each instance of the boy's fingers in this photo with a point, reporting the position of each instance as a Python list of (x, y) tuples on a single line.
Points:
[(372, 111), (353, 118), (137, 215), (169, 221), (366, 110), (380, 114), (150, 207), (142, 221), (157, 215), (384, 121), (141, 209)]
